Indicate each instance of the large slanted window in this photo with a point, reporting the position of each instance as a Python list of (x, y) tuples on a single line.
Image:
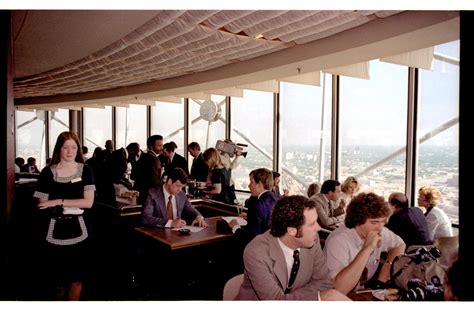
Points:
[(252, 124), (167, 120), (207, 121), (30, 136), (438, 163), (304, 130), (130, 125), (58, 123), (97, 127), (373, 128)]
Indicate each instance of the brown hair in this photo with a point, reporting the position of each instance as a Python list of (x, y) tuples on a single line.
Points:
[(62, 138), (264, 176), (365, 206), (289, 212), (313, 189)]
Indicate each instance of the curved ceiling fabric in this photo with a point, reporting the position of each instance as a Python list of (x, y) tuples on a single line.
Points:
[(175, 43)]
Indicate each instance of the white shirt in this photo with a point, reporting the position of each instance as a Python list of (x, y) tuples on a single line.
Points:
[(288, 253), (343, 245), (439, 224)]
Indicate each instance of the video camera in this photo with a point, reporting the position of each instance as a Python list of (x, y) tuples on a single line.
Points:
[(231, 148)]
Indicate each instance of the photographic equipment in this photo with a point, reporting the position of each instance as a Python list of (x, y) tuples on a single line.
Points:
[(231, 148), (419, 290), (422, 254)]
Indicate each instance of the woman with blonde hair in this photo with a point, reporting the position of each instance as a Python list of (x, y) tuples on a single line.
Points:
[(220, 177), (439, 224), (349, 189)]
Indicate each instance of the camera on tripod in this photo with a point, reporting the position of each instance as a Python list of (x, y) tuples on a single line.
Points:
[(231, 148), (419, 290)]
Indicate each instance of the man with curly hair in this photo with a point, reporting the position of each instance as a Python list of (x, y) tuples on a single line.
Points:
[(286, 262), (354, 251)]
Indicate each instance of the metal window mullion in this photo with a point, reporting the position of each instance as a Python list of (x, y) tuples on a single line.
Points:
[(148, 121), (412, 145), (114, 124), (276, 133), (335, 149), (228, 118), (46, 133), (187, 127)]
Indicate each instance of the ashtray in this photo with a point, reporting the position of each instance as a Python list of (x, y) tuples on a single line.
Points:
[(184, 231)]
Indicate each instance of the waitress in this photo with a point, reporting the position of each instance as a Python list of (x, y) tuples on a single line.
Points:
[(68, 184)]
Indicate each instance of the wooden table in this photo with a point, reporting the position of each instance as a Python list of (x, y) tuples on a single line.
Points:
[(122, 208), (174, 240), (185, 267), (209, 207)]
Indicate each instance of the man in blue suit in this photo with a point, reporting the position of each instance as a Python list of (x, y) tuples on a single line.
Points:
[(260, 206), (168, 206)]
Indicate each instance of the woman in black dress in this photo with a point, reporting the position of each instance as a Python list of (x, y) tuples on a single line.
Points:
[(68, 185)]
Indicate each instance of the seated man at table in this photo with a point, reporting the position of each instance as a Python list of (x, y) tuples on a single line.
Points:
[(408, 222), (326, 199), (167, 205), (354, 252), (259, 206), (286, 262)]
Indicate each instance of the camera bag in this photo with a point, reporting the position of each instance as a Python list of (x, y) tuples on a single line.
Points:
[(420, 262)]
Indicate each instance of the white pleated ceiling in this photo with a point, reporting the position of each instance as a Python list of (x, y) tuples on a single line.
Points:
[(180, 42)]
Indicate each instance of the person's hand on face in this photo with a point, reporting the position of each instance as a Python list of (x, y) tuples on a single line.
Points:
[(373, 240)]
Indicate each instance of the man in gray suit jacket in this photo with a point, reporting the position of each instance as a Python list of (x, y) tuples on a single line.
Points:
[(328, 214), (270, 257), (167, 205)]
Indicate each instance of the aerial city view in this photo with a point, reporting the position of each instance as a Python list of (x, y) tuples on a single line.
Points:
[(438, 166)]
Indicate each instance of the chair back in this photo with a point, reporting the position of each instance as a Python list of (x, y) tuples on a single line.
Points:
[(449, 247), (232, 286)]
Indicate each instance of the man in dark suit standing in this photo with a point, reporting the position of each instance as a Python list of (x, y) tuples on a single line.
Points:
[(199, 169), (147, 170), (173, 159), (168, 206)]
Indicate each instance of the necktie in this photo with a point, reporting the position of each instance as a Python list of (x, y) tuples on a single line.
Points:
[(330, 209), (169, 209), (294, 270)]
